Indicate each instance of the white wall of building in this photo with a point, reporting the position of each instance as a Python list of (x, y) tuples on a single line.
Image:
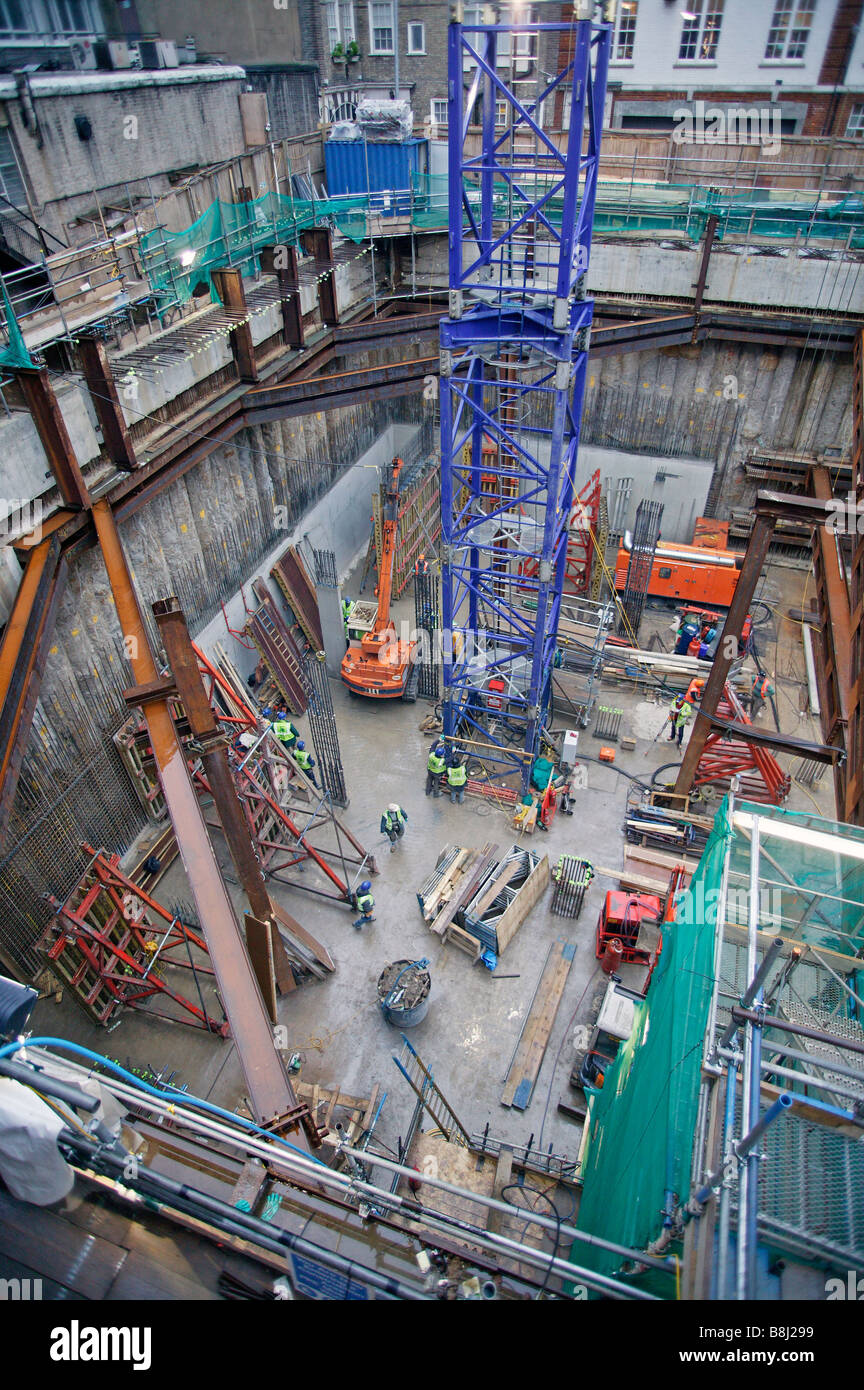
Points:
[(740, 60)]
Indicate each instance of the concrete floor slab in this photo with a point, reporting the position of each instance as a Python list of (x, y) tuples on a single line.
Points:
[(474, 1020)]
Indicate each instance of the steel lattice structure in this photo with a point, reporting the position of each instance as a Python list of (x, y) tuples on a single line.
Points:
[(513, 366)]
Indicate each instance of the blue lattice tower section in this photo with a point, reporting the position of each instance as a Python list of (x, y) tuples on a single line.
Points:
[(513, 364)]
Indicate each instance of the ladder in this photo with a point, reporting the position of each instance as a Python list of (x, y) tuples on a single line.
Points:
[(424, 1086), (265, 621)]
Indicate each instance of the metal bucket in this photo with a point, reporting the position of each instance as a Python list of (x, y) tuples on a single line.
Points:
[(403, 992)]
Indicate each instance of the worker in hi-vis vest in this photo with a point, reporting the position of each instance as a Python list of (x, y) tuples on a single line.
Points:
[(760, 691), (679, 716), (436, 766), (304, 760), (457, 776), (347, 605), (285, 730), (393, 824), (364, 903)]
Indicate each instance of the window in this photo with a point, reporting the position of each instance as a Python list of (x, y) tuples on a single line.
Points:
[(381, 34), (439, 112), (624, 33), (416, 38), (524, 47), (855, 124), (702, 20), (340, 22), (501, 114), (11, 186), (790, 29), (56, 17)]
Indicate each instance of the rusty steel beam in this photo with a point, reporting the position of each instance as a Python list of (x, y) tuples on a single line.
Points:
[(99, 380), (281, 261), (270, 1092), (54, 436), (318, 241), (265, 403), (727, 649), (769, 507), (266, 951), (834, 635), (854, 803), (229, 287), (707, 247), (781, 743), (23, 653)]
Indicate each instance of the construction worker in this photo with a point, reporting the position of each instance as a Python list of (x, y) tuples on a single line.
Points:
[(304, 760), (258, 675), (457, 776), (285, 730), (760, 691), (393, 823), (422, 565), (436, 765), (347, 605), (679, 716), (695, 688), (364, 902)]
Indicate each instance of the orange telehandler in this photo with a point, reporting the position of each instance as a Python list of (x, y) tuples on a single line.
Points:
[(380, 665)]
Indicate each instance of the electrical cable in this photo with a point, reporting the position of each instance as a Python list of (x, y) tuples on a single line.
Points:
[(526, 1187), (165, 1092)]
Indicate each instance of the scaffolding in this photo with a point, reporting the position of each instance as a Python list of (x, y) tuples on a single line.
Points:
[(513, 368), (730, 1124)]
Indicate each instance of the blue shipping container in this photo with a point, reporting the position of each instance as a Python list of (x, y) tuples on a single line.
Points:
[(358, 166)]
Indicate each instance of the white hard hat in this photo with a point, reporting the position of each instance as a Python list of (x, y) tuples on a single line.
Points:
[(393, 807)]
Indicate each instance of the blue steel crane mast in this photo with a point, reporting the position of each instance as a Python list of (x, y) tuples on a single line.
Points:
[(513, 365)]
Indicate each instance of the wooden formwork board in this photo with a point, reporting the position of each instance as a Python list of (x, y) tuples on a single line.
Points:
[(293, 579), (530, 892)]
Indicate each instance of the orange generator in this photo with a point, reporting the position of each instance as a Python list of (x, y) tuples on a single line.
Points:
[(695, 573)]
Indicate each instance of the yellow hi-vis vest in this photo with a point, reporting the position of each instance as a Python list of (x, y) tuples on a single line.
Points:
[(457, 776)]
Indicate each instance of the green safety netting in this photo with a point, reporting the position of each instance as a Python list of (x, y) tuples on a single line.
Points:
[(15, 353), (235, 233), (623, 205), (641, 1123)]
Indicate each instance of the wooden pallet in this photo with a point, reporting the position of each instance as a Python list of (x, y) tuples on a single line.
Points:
[(533, 1040)]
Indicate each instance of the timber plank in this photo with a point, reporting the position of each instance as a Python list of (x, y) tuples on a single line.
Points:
[(534, 1039)]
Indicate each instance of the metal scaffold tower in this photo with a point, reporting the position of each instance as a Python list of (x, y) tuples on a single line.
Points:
[(513, 365)]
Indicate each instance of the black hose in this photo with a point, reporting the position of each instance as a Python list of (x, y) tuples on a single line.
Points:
[(655, 774)]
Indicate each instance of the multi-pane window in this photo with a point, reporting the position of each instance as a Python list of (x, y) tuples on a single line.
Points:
[(19, 19), (790, 29), (501, 108), (524, 46), (340, 22), (11, 186), (439, 112), (624, 36), (416, 38), (702, 20), (381, 33), (855, 124)]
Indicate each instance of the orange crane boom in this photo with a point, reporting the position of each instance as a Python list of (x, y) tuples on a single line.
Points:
[(380, 666)]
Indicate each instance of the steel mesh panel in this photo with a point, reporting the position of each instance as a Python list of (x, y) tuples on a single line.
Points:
[(811, 1189)]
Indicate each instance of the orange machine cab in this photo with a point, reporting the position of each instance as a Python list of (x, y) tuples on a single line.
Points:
[(695, 573)]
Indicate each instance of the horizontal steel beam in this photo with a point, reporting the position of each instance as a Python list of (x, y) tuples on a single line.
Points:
[(341, 388), (784, 743)]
